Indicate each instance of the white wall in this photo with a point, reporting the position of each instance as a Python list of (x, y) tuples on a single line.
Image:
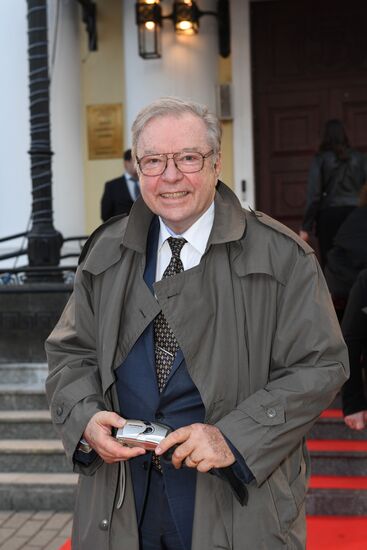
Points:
[(188, 66), (15, 183)]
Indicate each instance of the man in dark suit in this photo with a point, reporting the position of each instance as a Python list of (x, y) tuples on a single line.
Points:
[(120, 193)]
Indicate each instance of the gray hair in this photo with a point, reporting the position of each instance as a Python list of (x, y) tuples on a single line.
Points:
[(174, 106)]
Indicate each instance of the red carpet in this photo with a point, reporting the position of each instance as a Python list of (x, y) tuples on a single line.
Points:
[(327, 533), (338, 482), (336, 445), (336, 533), (332, 413)]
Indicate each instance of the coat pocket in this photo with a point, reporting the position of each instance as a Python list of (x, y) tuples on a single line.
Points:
[(288, 497)]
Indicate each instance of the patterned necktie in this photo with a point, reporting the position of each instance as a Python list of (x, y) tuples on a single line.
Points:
[(165, 343)]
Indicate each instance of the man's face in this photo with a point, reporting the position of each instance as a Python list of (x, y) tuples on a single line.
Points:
[(180, 199)]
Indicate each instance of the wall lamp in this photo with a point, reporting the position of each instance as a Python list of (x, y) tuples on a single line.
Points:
[(186, 20)]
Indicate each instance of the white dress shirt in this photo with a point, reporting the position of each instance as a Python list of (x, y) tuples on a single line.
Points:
[(130, 182), (196, 236)]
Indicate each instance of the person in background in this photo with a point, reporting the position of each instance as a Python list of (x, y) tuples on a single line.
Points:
[(348, 256), (120, 193), (354, 328), (214, 320), (336, 176)]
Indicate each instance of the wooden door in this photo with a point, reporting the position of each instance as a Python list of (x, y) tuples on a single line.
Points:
[(309, 62)]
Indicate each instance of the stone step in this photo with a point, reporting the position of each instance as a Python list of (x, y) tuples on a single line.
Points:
[(339, 496), (343, 502), (332, 426), (35, 491), (14, 397), (339, 458), (33, 455), (23, 373), (30, 424)]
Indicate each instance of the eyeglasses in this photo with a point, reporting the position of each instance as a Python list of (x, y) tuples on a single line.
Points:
[(188, 163)]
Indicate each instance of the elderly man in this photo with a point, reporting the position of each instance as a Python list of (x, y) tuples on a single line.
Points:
[(210, 319)]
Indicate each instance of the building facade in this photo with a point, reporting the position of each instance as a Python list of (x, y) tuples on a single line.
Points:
[(286, 74)]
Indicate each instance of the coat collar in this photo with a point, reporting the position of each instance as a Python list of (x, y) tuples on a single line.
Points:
[(229, 221), (132, 232)]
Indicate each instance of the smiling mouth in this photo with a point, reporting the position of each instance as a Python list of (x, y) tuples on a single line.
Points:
[(176, 195)]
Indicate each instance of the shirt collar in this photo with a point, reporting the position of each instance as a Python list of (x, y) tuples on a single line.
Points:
[(129, 177), (197, 235), (229, 221)]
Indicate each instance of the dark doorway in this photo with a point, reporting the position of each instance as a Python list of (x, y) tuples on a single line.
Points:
[(309, 61)]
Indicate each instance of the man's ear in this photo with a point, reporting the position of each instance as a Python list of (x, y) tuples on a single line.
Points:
[(218, 164)]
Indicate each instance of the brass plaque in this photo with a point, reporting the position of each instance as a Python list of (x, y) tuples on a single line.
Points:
[(104, 131)]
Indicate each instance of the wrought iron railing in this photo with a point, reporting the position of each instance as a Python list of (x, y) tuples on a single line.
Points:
[(17, 275)]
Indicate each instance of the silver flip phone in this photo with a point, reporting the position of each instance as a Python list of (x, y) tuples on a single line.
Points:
[(140, 433)]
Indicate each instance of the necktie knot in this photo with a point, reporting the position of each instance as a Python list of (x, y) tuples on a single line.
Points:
[(176, 246)]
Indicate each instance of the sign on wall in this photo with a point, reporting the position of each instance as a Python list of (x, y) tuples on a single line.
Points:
[(104, 124)]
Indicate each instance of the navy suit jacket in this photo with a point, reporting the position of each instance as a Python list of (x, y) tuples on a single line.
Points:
[(116, 198)]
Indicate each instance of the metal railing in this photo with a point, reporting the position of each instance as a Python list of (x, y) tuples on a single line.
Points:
[(17, 275)]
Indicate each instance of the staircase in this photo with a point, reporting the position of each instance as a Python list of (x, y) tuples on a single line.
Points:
[(34, 472), (339, 467)]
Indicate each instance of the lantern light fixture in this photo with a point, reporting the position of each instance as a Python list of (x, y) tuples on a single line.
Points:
[(186, 19), (149, 21)]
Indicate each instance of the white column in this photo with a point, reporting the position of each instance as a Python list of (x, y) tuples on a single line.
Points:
[(242, 102), (66, 127)]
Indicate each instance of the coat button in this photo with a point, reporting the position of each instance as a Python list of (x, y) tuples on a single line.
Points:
[(59, 411), (103, 525), (271, 413)]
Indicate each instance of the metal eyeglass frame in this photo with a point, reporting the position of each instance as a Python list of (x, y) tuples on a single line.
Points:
[(168, 156)]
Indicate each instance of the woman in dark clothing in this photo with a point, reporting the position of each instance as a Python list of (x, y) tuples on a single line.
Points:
[(348, 255), (336, 176), (354, 327)]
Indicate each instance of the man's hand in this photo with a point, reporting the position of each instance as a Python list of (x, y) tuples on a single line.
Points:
[(98, 435), (200, 446), (356, 421), (304, 235)]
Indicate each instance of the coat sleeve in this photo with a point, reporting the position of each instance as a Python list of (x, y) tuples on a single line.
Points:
[(73, 386), (308, 365)]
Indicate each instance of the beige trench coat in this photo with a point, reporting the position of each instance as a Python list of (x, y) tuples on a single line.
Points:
[(262, 344)]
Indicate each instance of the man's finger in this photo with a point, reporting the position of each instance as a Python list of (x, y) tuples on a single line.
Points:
[(107, 418), (174, 438), (204, 466), (181, 453)]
